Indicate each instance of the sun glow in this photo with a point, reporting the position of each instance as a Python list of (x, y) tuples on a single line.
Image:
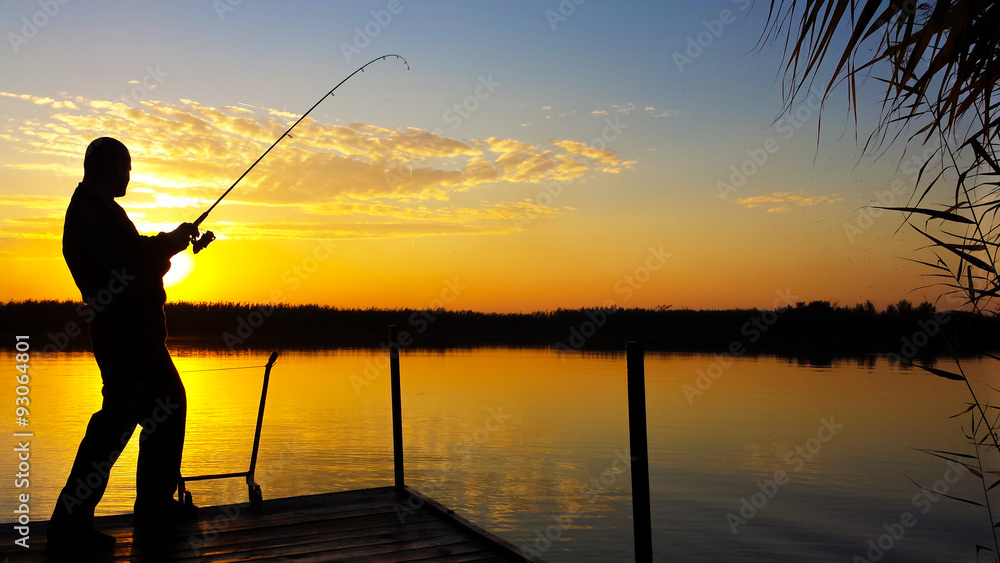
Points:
[(181, 266)]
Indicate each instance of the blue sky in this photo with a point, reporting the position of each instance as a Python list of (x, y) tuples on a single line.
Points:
[(607, 68)]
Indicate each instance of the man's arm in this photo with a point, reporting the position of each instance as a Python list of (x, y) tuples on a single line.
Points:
[(158, 249)]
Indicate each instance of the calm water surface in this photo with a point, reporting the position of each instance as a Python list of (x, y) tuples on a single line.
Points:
[(528, 443)]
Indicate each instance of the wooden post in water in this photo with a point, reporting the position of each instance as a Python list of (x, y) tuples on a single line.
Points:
[(397, 408), (639, 453)]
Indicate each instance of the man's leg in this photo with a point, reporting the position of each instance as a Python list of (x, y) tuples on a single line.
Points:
[(161, 442), (109, 429), (107, 434)]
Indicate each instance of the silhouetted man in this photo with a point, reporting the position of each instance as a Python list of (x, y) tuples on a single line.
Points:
[(120, 275)]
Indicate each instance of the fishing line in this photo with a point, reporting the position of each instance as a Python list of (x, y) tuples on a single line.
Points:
[(209, 236), (221, 369)]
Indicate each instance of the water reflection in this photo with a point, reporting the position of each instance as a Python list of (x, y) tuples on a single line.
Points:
[(525, 442)]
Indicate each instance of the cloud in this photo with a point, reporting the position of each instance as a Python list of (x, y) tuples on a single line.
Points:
[(607, 160), (185, 154), (54, 104), (522, 162), (32, 227), (652, 111), (778, 202), (33, 202), (238, 109)]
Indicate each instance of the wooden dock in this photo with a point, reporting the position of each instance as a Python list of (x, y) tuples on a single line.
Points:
[(364, 525), (390, 524)]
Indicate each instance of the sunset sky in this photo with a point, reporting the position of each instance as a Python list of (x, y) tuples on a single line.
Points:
[(536, 155)]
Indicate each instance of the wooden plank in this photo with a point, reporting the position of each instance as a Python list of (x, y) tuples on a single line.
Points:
[(246, 526), (321, 544), (295, 536), (504, 547), (463, 550), (341, 551), (361, 525)]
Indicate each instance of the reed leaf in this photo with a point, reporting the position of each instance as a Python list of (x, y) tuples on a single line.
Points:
[(963, 255), (972, 406), (942, 454), (937, 214), (942, 373), (940, 67)]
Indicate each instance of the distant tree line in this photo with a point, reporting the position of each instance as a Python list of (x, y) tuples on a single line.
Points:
[(814, 330)]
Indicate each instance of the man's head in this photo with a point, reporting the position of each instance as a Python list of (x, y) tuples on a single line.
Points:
[(106, 167)]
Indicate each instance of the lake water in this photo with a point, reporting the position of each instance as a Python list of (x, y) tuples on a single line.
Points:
[(527, 443)]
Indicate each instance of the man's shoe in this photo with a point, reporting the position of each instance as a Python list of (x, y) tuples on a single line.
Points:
[(164, 513), (67, 537)]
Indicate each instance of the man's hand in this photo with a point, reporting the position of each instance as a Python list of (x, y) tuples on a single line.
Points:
[(183, 234)]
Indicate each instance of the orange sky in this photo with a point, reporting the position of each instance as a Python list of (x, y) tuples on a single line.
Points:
[(605, 172)]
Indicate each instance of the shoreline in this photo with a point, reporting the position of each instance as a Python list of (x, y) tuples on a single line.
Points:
[(815, 331)]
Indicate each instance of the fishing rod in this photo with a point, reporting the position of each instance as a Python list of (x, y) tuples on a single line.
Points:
[(208, 236)]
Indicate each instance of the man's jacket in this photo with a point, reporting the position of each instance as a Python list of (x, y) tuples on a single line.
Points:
[(119, 272)]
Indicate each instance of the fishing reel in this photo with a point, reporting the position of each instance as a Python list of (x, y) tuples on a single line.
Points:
[(201, 242)]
